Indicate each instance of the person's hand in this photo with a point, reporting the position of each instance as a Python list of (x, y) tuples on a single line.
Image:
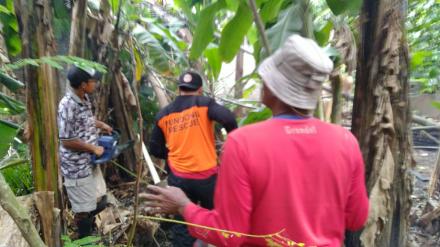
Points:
[(98, 150), (169, 200), (106, 128)]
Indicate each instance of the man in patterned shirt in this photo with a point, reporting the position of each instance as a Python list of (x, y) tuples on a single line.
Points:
[(78, 132)]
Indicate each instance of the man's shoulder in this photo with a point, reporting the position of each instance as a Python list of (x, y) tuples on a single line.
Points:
[(335, 128), (66, 102), (182, 104), (164, 111), (205, 99), (337, 132)]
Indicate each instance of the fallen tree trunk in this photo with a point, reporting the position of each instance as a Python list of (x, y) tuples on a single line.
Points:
[(423, 121), (10, 204)]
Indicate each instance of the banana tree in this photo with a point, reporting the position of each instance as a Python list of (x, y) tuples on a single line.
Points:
[(36, 30), (381, 123)]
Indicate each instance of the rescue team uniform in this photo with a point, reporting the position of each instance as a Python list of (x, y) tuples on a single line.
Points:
[(304, 176), (184, 136)]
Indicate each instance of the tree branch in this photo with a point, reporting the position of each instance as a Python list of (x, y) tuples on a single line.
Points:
[(19, 215), (260, 26)]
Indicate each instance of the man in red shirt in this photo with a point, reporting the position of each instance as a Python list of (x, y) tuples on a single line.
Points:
[(292, 173)]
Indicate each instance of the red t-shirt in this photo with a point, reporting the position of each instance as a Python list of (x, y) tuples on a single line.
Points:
[(303, 176)]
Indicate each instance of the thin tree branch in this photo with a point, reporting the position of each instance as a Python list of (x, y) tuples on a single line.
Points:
[(260, 26), (119, 15), (139, 167)]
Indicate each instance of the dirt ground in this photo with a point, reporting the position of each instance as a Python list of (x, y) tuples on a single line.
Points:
[(423, 236)]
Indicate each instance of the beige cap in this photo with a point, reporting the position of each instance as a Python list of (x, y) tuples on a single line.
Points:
[(296, 71)]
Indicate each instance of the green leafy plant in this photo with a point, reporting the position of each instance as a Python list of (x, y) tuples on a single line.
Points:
[(340, 6), (90, 241), (423, 29), (256, 116), (56, 62), (15, 165), (10, 27), (8, 131), (18, 175)]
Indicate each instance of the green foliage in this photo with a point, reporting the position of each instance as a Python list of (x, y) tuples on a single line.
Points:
[(418, 58), (90, 241), (234, 32), (15, 166), (149, 106), (156, 53), (256, 116), (270, 10), (18, 175), (11, 83), (10, 106), (214, 60), (184, 5), (10, 28), (4, 10), (115, 6), (289, 22), (60, 10), (322, 35), (57, 62), (233, 4), (165, 40), (340, 6), (423, 30), (436, 104), (155, 37), (8, 131), (204, 32)]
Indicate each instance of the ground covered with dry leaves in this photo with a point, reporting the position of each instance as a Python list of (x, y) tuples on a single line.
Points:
[(424, 234)]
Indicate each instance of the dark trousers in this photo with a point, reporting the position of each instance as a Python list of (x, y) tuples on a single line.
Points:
[(199, 191)]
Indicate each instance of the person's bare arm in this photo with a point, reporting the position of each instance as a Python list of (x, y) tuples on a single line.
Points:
[(79, 145), (105, 127)]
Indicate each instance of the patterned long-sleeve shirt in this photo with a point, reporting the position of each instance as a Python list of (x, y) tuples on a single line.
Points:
[(76, 121)]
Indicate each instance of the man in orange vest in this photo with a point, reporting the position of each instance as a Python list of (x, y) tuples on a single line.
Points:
[(184, 136)]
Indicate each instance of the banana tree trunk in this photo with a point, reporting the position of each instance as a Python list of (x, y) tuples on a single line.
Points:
[(38, 40), (336, 81), (380, 122), (78, 29), (115, 89)]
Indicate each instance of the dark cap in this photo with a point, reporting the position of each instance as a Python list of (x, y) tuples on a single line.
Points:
[(190, 80), (77, 75)]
